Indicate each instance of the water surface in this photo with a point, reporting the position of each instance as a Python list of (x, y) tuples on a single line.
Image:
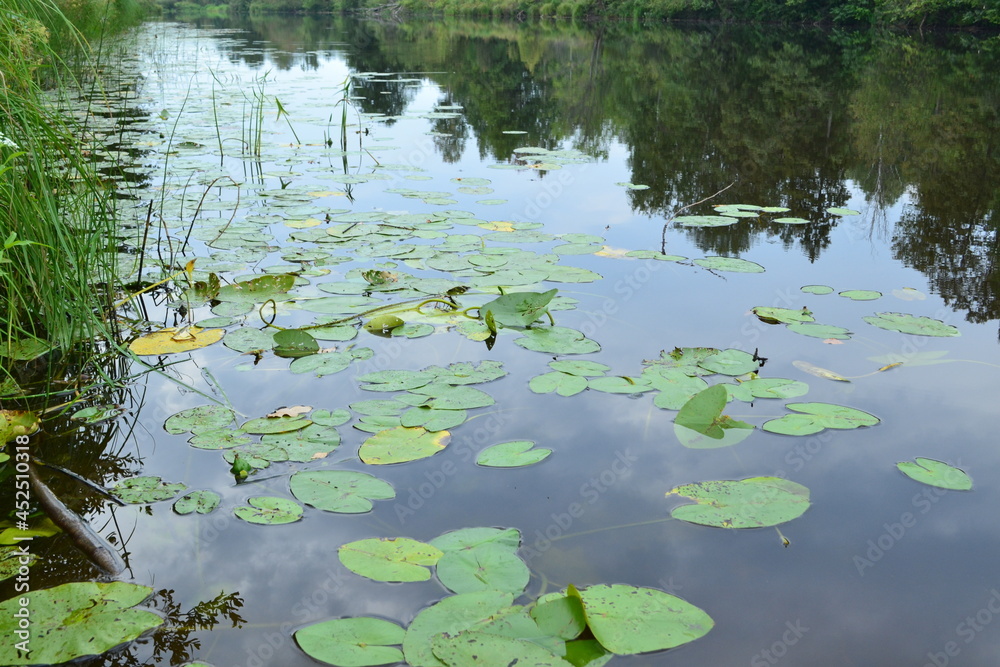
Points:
[(880, 569)]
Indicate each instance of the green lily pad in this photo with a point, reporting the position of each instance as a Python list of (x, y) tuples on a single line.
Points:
[(402, 444), (936, 473), (263, 425), (563, 384), (486, 649), (817, 289), (618, 384), (26, 349), (487, 567), (686, 359), (674, 386), (518, 309), (791, 221), (560, 616), (382, 407), (390, 559), (703, 414), (861, 294), (413, 330), (587, 653), (453, 614), (726, 208), (431, 419), (258, 290), (557, 340), (199, 419), (911, 324), (767, 388), (731, 264), (328, 363), (472, 538), (256, 455), (294, 343), (220, 438), (340, 333), (627, 620), (352, 642), (247, 339), (44, 528), (464, 372), (376, 423), (814, 417), (836, 210), (12, 559), (651, 254), (560, 273), (344, 491), (330, 417), (705, 220), (748, 503), (142, 490), (820, 330), (269, 510), (201, 502), (312, 442), (443, 396), (774, 315), (395, 380), (75, 620), (730, 362), (514, 454), (580, 367)]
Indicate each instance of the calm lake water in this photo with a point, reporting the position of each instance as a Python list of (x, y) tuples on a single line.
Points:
[(624, 128)]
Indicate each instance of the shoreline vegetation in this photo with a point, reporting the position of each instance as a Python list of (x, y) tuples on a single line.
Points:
[(58, 219), (908, 13)]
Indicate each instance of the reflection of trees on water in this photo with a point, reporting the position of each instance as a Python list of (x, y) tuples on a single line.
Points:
[(796, 117), (926, 122)]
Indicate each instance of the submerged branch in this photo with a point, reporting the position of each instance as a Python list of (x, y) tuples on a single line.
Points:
[(87, 540)]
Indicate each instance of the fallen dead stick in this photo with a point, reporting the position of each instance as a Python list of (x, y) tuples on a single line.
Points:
[(86, 539)]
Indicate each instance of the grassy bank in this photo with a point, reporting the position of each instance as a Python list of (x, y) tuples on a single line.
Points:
[(57, 220)]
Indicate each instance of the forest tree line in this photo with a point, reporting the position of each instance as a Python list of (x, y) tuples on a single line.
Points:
[(919, 13)]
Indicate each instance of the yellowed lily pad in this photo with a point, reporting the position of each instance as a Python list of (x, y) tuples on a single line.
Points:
[(173, 340), (402, 444), (17, 422)]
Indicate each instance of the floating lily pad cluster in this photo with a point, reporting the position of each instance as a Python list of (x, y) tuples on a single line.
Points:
[(730, 214), (479, 624), (409, 426), (802, 321), (675, 377)]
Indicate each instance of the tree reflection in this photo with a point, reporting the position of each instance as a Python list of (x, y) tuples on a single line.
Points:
[(797, 118)]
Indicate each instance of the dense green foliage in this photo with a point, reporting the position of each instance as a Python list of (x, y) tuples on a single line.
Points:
[(57, 214), (844, 12)]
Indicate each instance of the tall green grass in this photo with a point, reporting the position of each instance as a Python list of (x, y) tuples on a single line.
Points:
[(57, 216)]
